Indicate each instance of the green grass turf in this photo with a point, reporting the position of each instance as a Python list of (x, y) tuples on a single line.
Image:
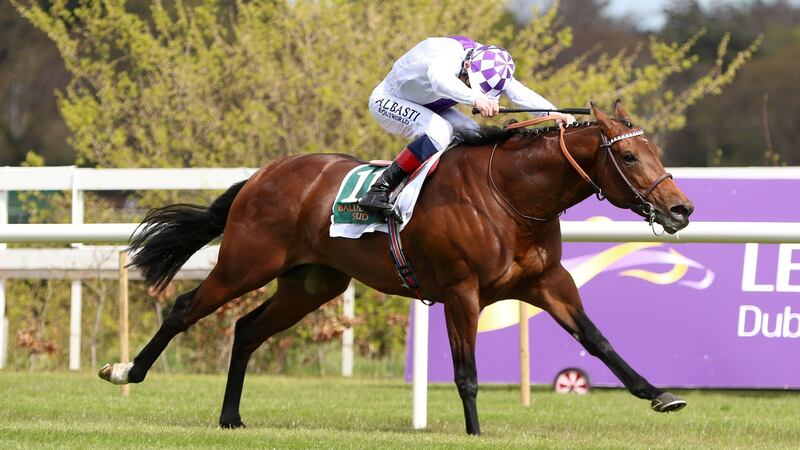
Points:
[(78, 410)]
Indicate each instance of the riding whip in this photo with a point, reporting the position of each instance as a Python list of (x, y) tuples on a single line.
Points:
[(534, 110)]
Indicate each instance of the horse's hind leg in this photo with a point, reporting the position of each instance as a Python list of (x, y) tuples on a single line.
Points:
[(300, 291), (557, 294), (225, 282)]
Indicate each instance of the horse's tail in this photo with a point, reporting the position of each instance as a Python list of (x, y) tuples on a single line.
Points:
[(168, 236)]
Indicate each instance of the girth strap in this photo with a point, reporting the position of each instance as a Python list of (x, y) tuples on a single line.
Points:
[(402, 264)]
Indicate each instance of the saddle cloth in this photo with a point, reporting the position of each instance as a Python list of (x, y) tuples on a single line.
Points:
[(348, 220)]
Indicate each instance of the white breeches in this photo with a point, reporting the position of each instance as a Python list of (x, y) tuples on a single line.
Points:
[(411, 120)]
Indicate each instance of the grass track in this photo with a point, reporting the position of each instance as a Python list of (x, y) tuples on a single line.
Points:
[(77, 410)]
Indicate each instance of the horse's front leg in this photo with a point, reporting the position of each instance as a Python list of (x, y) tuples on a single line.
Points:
[(557, 294), (461, 314)]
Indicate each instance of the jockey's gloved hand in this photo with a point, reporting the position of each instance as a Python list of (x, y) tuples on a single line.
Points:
[(487, 107), (567, 118)]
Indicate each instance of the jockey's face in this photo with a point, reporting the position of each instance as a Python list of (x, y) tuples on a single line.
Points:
[(463, 74)]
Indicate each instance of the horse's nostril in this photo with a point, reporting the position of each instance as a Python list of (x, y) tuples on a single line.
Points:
[(682, 211)]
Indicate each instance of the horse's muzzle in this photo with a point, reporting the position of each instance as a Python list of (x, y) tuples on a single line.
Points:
[(677, 219), (681, 212)]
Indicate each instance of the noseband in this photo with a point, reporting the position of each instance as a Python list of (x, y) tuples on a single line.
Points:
[(644, 206)]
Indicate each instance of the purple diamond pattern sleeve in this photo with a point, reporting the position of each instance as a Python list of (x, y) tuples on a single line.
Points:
[(465, 42)]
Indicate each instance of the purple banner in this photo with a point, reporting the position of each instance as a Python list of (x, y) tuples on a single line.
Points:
[(690, 315)]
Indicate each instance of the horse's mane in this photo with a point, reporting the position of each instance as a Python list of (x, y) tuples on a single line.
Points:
[(489, 135)]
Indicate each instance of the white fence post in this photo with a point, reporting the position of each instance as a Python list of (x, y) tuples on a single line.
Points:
[(3, 320), (3, 342), (75, 326), (3, 326), (76, 300), (524, 356), (124, 355), (348, 300), (419, 377)]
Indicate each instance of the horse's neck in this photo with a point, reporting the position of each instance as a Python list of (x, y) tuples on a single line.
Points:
[(584, 146), (540, 179)]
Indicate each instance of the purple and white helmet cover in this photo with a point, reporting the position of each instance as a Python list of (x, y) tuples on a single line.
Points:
[(490, 70)]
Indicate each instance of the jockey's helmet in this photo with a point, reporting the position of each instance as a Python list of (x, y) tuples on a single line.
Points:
[(490, 70)]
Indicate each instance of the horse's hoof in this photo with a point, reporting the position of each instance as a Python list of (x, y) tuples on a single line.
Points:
[(105, 372), (232, 424), (667, 402), (116, 373)]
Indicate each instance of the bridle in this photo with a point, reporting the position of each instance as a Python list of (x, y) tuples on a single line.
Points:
[(645, 208), (643, 205)]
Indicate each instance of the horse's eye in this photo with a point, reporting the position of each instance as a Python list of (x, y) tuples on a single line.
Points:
[(629, 158)]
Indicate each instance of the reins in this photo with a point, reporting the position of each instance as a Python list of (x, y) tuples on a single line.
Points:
[(562, 145), (644, 205), (526, 123)]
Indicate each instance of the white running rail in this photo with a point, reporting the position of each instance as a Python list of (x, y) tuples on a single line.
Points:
[(77, 180)]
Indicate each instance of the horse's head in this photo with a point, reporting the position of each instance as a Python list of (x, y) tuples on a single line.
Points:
[(632, 176)]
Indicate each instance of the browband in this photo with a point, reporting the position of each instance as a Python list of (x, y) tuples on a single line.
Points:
[(616, 139)]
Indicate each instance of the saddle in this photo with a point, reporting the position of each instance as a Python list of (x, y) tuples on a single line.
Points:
[(349, 220)]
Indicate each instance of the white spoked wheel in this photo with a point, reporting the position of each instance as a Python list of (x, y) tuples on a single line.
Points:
[(572, 381)]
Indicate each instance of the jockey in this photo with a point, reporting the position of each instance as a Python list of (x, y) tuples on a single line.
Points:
[(416, 101)]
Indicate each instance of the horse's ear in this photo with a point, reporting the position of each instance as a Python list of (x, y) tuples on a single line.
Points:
[(620, 113), (599, 114)]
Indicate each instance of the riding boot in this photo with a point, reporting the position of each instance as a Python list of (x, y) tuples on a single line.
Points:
[(410, 159), (376, 198)]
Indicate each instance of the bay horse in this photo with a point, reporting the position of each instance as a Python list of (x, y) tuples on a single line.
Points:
[(485, 228)]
